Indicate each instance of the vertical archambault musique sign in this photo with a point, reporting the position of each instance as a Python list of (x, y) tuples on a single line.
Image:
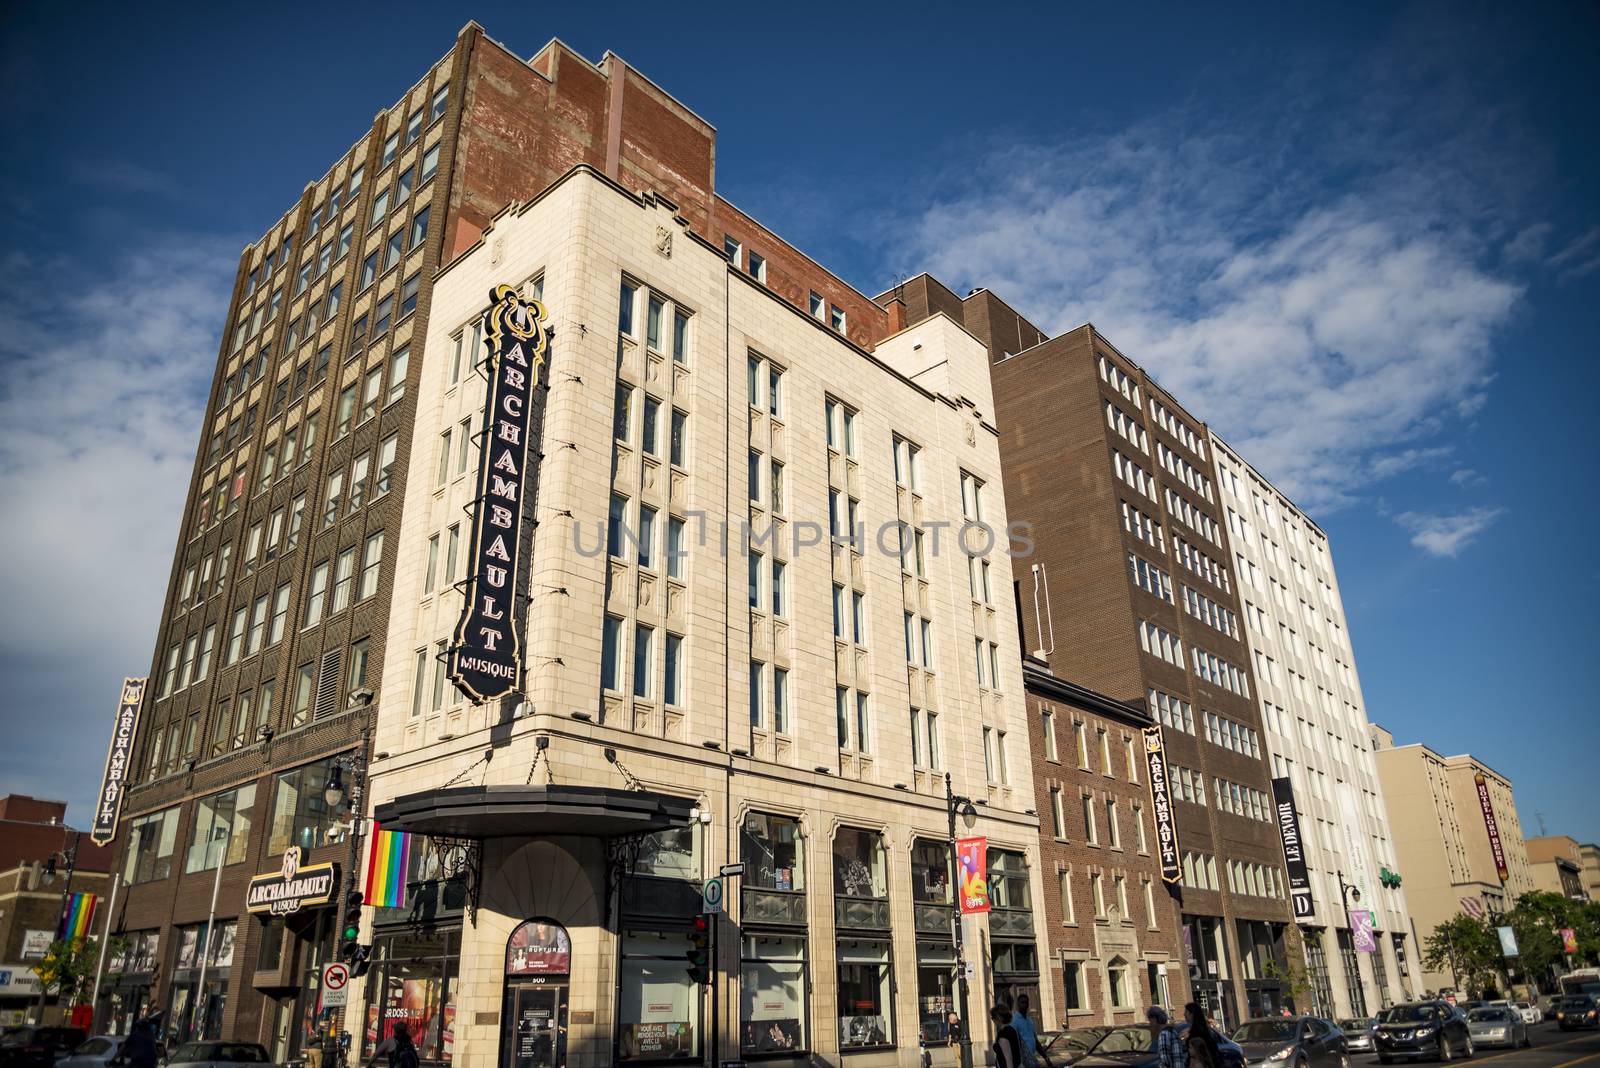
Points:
[(1155, 759), (485, 660), (108, 808)]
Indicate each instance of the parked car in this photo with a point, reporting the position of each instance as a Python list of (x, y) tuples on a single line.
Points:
[(1528, 1011), (38, 1047), (1577, 1010), (1419, 1029), (1134, 1047), (1497, 1025), (97, 1052), (1360, 1034), (1069, 1047), (217, 1054), (1300, 1041)]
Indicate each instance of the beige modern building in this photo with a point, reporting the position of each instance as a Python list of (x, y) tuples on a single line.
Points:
[(1589, 854), (1319, 740), (1442, 839), (1557, 863), (696, 695)]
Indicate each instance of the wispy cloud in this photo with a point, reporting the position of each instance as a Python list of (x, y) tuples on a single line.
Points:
[(1466, 477), (1579, 256), (1447, 535), (103, 376)]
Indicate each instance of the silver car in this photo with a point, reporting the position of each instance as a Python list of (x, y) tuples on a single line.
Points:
[(1497, 1025), (97, 1052), (1359, 1034)]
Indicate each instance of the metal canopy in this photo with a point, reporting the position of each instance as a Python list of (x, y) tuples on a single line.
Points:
[(523, 811)]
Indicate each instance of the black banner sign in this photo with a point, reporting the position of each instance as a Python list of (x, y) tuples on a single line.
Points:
[(486, 656), (1294, 850), (1155, 758), (1491, 825), (108, 809), (286, 890)]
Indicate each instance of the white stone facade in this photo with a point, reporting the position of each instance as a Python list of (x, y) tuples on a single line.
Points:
[(577, 245), (1317, 734)]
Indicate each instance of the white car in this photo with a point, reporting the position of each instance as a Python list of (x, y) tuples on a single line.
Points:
[(1530, 1013)]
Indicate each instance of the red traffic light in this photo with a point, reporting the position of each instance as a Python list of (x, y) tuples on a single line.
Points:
[(702, 923)]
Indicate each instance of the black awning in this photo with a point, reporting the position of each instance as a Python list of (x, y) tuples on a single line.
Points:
[(522, 811)]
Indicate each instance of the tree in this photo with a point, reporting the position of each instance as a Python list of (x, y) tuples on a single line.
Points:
[(1466, 948), (1538, 918), (68, 968)]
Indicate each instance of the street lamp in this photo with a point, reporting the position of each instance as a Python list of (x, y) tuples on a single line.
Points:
[(69, 854), (1348, 893), (955, 805), (337, 793)]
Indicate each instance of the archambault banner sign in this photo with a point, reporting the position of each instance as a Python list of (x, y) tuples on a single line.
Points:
[(108, 809), (1294, 850), (291, 887), (1492, 826), (1155, 759), (486, 657)]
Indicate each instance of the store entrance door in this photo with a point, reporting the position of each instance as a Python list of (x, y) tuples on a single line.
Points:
[(535, 1029)]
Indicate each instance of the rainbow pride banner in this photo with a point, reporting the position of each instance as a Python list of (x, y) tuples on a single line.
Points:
[(387, 862), (78, 916)]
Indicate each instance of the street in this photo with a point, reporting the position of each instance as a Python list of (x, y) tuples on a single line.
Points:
[(1552, 1048)]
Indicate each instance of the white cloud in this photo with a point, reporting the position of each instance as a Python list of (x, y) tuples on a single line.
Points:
[(1325, 335), (103, 378), (1447, 535), (1466, 476)]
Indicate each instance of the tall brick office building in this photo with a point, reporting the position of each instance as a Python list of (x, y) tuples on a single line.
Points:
[(1134, 599)]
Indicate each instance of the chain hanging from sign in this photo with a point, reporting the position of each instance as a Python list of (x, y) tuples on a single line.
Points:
[(485, 658)]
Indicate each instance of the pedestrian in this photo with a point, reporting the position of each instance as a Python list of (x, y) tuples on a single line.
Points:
[(1170, 1052), (139, 1051), (1007, 1047), (1201, 1041), (398, 1048), (1027, 1035)]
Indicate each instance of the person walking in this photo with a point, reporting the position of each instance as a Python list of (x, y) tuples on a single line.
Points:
[(1170, 1050), (1027, 1035), (1007, 1047), (1201, 1041), (398, 1048)]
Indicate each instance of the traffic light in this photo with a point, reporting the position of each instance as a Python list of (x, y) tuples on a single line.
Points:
[(350, 940), (698, 956)]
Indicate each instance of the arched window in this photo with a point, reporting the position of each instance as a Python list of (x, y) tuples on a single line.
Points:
[(539, 947)]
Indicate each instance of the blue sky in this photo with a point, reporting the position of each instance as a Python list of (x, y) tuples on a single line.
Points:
[(1364, 243)]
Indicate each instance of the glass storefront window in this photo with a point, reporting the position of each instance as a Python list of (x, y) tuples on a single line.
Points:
[(930, 872), (936, 987), (221, 829), (1008, 880), (413, 980), (773, 852), (300, 816), (671, 854), (866, 1004), (772, 993), (660, 1004), (858, 867), (152, 841)]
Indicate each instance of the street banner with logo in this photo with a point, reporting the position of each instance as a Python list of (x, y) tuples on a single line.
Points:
[(485, 658), (1361, 931), (972, 868), (1294, 852), (1492, 826), (1569, 940), (1508, 941), (108, 807), (1155, 760)]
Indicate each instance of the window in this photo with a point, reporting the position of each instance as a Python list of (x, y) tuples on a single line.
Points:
[(815, 305), (610, 655), (1058, 816), (221, 829), (430, 164), (680, 337), (780, 700), (625, 309), (622, 412), (408, 294), (863, 724), (647, 536), (383, 316), (369, 271), (643, 661), (371, 561), (675, 547), (859, 615), (300, 815), (1113, 829), (836, 318), (391, 146), (452, 550), (774, 390), (318, 594), (757, 694), (678, 443), (779, 590), (441, 97), (419, 228), (755, 568), (1161, 643), (151, 840), (672, 676), (414, 126)]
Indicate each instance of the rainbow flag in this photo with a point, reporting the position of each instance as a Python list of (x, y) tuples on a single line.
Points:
[(78, 916), (387, 862)]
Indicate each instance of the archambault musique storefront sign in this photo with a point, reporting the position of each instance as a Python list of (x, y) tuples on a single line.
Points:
[(291, 886), (485, 660), (1294, 850), (108, 809), (1155, 758)]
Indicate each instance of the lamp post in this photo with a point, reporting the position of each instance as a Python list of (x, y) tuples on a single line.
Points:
[(953, 803), (199, 1006), (70, 856)]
